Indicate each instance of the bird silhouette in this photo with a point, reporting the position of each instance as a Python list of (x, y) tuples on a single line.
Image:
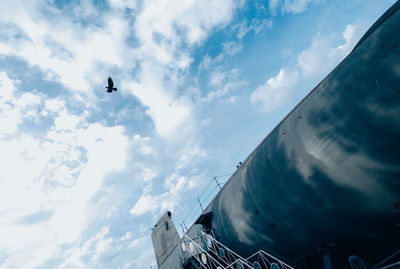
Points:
[(110, 86)]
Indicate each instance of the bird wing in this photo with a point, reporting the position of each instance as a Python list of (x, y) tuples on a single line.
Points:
[(110, 82)]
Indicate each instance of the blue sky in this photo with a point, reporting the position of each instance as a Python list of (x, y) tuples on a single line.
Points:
[(85, 174)]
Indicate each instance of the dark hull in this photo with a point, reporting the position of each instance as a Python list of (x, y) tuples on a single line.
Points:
[(329, 173)]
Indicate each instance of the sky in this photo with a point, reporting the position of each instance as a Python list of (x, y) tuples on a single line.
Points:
[(85, 174)]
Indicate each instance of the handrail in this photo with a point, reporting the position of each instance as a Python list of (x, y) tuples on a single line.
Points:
[(235, 256), (210, 258), (379, 265), (262, 252), (202, 202), (390, 265)]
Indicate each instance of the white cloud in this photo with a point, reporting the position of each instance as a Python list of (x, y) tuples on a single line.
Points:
[(321, 56), (143, 144), (148, 174), (273, 5), (223, 84), (165, 43), (242, 29), (146, 259), (37, 176), (314, 63), (289, 6), (145, 203), (168, 200), (28, 99), (295, 6), (205, 62), (260, 25), (256, 25), (205, 122), (48, 182), (66, 121), (122, 4), (217, 78), (195, 18), (274, 92), (54, 105), (194, 152), (14, 109), (231, 48), (79, 55), (99, 249), (167, 112), (67, 50), (9, 117)]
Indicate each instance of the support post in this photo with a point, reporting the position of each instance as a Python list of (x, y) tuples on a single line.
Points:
[(198, 199), (215, 178)]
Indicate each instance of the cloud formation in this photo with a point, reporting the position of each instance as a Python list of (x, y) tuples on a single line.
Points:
[(313, 63), (289, 6), (85, 174), (64, 169), (46, 183), (175, 185), (66, 50)]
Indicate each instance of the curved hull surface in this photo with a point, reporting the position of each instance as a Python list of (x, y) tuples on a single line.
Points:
[(327, 176)]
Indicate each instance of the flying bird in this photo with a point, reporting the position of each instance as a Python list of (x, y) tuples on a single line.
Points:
[(110, 86)]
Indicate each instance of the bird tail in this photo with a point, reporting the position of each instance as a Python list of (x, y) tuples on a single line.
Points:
[(114, 89)]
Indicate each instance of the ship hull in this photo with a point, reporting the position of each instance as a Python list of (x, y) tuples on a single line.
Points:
[(325, 180)]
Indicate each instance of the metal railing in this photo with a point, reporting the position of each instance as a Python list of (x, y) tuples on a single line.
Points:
[(190, 249), (227, 257), (203, 200), (265, 260), (393, 261), (207, 252)]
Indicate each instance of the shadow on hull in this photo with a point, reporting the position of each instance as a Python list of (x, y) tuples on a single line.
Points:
[(324, 184)]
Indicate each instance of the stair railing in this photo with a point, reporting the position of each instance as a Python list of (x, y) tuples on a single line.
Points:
[(266, 260), (226, 256), (189, 248)]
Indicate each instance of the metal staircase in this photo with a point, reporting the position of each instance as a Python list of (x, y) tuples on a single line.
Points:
[(205, 251)]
